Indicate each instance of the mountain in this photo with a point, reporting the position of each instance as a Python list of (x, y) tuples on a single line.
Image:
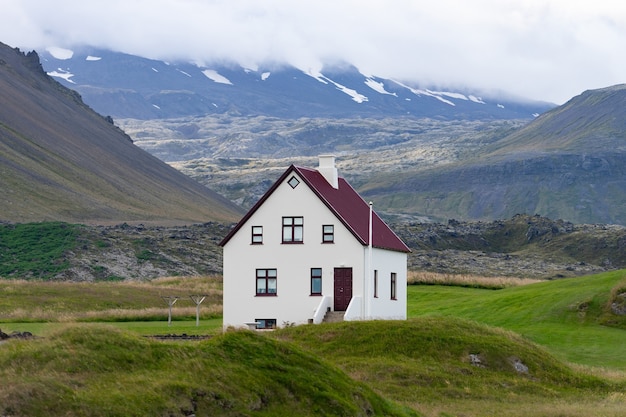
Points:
[(128, 86), (60, 160), (418, 153), (568, 163)]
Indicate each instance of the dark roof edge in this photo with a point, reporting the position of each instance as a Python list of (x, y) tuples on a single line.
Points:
[(258, 204)]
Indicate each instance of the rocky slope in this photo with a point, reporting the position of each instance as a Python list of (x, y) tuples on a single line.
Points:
[(59, 160), (569, 163), (523, 246)]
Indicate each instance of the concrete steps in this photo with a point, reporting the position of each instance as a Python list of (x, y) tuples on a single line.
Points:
[(333, 316)]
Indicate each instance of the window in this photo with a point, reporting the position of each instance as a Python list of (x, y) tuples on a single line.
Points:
[(257, 235), (393, 285), (265, 323), (266, 282), (293, 182), (316, 281), (328, 233), (376, 283), (293, 229)]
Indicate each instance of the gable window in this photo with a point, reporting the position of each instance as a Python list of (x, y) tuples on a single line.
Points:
[(316, 281), (293, 182), (328, 233), (376, 283), (266, 282), (393, 285), (293, 229), (265, 323), (257, 235)]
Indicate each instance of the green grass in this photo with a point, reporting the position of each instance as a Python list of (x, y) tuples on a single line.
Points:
[(40, 301), (98, 371), (142, 328), (35, 250), (557, 329), (567, 316), (425, 362)]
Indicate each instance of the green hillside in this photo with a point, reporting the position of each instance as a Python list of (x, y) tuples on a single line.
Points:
[(61, 161), (568, 163), (557, 350), (572, 317), (86, 371)]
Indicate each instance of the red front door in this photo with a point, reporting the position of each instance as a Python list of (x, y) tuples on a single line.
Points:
[(343, 288)]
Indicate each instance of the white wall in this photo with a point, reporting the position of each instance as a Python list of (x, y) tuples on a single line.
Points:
[(383, 307), (293, 262)]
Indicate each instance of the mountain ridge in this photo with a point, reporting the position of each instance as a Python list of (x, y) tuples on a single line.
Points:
[(62, 161), (128, 86), (568, 163)]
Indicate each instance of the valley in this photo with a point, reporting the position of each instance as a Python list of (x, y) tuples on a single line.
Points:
[(240, 157)]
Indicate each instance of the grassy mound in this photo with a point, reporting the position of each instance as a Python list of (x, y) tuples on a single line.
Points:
[(435, 358), (573, 317), (99, 371)]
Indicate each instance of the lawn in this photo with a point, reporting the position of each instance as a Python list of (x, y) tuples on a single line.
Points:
[(566, 316)]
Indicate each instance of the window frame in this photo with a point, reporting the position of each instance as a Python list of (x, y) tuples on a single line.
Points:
[(376, 283), (292, 229), (326, 234), (314, 278), (256, 235), (267, 324), (293, 182), (394, 285), (266, 277)]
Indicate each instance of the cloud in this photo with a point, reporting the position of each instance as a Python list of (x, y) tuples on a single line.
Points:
[(540, 49)]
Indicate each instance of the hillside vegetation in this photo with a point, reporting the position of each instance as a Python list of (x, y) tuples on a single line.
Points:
[(437, 363), (61, 161), (523, 246), (87, 371)]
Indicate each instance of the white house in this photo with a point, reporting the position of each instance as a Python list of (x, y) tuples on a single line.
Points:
[(304, 249)]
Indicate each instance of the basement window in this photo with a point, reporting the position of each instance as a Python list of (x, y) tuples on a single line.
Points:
[(265, 324)]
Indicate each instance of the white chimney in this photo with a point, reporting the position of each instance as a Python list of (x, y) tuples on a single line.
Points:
[(328, 170)]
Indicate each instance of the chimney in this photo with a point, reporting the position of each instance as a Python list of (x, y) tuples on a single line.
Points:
[(328, 170)]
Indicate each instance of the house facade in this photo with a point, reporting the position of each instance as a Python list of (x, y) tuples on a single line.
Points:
[(311, 245)]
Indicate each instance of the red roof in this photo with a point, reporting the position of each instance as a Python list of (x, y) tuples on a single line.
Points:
[(345, 203)]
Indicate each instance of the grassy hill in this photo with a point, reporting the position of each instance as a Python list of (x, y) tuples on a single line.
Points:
[(62, 161), (551, 354), (103, 372), (566, 164)]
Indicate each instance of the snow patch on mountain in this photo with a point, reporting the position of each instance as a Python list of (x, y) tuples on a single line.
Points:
[(419, 92), (377, 86), (61, 73), (92, 58), (476, 99), (60, 53), (356, 96), (265, 75), (216, 77), (458, 96)]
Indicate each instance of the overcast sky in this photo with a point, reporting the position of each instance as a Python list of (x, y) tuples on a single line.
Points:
[(546, 50)]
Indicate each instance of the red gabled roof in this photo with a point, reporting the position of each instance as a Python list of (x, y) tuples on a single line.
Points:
[(345, 203)]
